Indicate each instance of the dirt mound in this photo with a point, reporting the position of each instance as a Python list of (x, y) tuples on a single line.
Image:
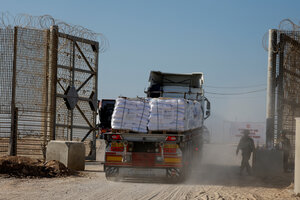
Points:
[(28, 167)]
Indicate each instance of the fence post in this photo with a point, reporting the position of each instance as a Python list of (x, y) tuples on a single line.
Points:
[(13, 137), (271, 87), (53, 67)]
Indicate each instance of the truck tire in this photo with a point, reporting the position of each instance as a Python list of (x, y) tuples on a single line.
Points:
[(175, 175), (111, 173)]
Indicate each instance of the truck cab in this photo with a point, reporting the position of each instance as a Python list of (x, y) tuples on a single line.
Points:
[(171, 85)]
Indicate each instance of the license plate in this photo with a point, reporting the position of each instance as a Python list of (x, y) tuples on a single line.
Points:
[(142, 172)]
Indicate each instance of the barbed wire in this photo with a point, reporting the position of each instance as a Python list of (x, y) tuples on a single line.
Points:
[(284, 26), (8, 20)]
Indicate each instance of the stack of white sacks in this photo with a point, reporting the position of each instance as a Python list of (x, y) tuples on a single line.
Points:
[(131, 114), (174, 115), (157, 114)]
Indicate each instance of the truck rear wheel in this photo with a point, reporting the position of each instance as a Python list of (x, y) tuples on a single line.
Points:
[(175, 175), (111, 173)]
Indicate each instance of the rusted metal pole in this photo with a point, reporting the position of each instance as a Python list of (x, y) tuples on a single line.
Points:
[(73, 85), (271, 85), (96, 93), (280, 86), (53, 67), (46, 95), (13, 136)]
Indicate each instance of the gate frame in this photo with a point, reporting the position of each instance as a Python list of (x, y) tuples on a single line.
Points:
[(54, 38)]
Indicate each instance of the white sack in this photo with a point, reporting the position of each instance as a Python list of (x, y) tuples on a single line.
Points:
[(131, 115)]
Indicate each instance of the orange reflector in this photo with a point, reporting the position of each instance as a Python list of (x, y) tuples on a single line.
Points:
[(114, 158), (172, 160)]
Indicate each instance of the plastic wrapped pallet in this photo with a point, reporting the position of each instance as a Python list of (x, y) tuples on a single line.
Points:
[(174, 115), (131, 114)]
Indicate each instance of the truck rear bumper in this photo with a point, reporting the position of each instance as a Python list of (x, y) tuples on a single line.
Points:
[(142, 172), (139, 172)]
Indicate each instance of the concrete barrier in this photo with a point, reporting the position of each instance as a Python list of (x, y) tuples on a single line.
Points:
[(100, 150), (70, 153)]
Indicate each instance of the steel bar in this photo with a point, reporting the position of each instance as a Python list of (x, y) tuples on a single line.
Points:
[(13, 137), (82, 54), (76, 69), (272, 51), (83, 40), (85, 82), (74, 126), (73, 80), (53, 67)]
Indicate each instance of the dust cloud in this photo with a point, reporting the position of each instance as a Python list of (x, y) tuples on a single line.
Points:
[(219, 166)]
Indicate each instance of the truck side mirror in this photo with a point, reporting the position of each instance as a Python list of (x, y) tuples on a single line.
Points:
[(207, 105), (207, 113)]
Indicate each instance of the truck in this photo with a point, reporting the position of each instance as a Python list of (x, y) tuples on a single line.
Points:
[(166, 155)]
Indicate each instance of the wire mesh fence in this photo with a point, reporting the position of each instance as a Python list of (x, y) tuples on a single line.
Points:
[(287, 92), (6, 66), (31, 92), (48, 86)]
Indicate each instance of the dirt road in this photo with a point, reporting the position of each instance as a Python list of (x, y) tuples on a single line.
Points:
[(217, 179)]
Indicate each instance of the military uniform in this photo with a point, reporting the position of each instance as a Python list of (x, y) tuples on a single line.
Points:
[(246, 144)]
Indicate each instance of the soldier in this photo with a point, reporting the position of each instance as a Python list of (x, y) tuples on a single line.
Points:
[(285, 145), (246, 144)]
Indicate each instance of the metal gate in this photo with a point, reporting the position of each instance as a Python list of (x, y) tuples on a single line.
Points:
[(48, 90), (283, 103), (76, 90)]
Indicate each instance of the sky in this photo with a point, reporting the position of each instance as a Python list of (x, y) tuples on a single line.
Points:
[(222, 39)]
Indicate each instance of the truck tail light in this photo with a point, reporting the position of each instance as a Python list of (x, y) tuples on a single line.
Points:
[(116, 137), (171, 138)]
